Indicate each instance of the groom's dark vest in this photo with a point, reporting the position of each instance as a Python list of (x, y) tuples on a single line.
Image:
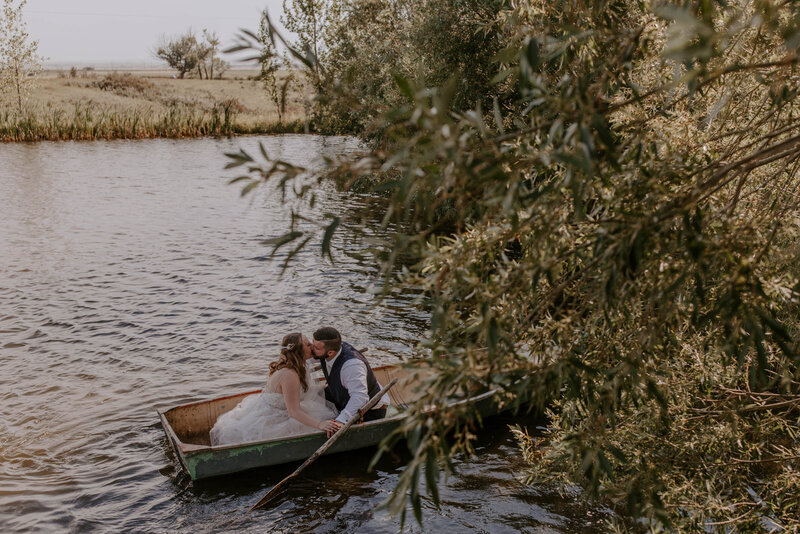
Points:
[(335, 392)]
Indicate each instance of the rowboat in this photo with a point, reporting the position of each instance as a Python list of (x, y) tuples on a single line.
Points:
[(188, 428)]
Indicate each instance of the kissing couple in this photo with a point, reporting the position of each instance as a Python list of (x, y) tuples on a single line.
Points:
[(292, 404)]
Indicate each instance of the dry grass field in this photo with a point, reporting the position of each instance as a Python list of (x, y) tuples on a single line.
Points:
[(109, 104)]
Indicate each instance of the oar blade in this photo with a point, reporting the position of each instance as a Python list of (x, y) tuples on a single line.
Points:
[(282, 484), (271, 494)]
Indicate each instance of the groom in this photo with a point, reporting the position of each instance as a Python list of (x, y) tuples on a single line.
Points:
[(351, 382)]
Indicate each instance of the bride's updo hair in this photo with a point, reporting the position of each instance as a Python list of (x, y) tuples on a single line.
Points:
[(292, 357)]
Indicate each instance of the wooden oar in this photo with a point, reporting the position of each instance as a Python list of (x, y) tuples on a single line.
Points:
[(325, 446)]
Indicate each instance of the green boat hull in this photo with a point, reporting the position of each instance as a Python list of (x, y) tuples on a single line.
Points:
[(187, 428), (216, 461)]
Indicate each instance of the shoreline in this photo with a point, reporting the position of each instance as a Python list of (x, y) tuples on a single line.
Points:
[(90, 105), (201, 131)]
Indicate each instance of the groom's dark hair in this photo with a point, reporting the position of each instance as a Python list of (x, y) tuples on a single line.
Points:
[(330, 337)]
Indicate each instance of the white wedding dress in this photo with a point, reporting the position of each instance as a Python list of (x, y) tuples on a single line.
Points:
[(263, 416)]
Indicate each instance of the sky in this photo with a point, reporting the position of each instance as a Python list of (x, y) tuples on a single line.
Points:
[(89, 32)]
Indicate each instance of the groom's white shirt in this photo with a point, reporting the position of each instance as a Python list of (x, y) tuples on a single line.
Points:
[(354, 379)]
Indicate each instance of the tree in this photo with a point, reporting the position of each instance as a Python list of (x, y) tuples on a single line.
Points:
[(429, 41), (180, 53), (209, 56), (308, 19), (19, 58), (614, 240), (201, 53), (187, 54), (271, 63)]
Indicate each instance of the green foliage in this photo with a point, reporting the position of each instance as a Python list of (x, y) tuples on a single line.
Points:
[(308, 20), (429, 41), (19, 56), (613, 238), (270, 65)]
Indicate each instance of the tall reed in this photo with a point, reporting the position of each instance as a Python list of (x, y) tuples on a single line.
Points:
[(87, 121)]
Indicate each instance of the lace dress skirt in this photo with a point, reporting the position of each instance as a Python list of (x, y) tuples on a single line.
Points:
[(263, 416)]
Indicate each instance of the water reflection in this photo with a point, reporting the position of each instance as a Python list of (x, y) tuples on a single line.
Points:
[(132, 276)]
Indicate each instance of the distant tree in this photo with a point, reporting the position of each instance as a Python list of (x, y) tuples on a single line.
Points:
[(19, 57), (187, 54), (180, 53), (209, 56), (220, 66), (201, 53)]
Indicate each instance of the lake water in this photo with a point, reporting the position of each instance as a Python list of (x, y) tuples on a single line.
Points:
[(132, 277)]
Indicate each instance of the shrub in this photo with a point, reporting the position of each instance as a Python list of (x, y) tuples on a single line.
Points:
[(125, 84)]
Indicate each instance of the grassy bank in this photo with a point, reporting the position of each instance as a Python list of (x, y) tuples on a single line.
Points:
[(97, 105)]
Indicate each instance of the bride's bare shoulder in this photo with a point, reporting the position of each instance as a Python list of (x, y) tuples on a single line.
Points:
[(285, 373)]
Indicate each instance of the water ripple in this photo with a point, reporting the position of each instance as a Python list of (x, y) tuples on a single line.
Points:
[(132, 277)]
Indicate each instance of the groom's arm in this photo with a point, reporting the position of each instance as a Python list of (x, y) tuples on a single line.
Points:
[(354, 379)]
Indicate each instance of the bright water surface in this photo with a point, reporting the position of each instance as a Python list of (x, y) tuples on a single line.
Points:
[(132, 277)]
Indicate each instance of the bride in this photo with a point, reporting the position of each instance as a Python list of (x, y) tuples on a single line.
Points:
[(288, 404)]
